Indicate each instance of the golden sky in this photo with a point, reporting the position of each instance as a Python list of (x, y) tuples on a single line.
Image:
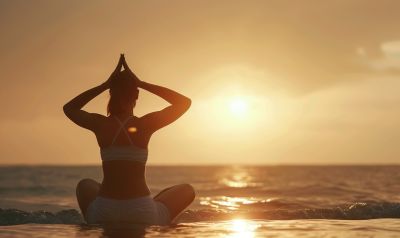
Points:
[(272, 81)]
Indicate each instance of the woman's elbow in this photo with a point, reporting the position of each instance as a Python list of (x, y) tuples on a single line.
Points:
[(187, 103), (66, 109)]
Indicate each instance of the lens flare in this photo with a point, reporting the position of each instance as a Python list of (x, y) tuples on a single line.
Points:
[(132, 129)]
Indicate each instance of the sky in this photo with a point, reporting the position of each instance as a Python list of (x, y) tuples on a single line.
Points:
[(271, 81)]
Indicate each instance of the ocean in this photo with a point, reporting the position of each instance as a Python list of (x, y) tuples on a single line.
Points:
[(231, 201)]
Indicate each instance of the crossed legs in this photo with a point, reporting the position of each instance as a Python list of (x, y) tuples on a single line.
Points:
[(86, 192), (175, 198)]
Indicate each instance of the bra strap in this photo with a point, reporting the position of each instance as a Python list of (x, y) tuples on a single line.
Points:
[(122, 126)]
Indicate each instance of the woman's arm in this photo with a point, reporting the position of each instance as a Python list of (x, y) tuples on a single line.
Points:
[(73, 109), (168, 95), (179, 105), (156, 120)]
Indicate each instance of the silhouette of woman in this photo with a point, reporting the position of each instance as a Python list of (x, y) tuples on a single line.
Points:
[(123, 195)]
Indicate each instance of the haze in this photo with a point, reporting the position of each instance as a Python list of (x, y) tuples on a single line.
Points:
[(316, 81)]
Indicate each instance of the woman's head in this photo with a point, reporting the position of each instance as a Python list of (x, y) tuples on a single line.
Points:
[(123, 94)]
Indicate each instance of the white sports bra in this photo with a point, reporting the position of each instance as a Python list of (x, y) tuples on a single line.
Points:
[(123, 152)]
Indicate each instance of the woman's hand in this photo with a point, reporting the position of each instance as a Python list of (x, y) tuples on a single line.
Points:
[(137, 80), (115, 73)]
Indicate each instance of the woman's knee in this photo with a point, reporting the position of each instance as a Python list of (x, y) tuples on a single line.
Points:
[(188, 190), (86, 184)]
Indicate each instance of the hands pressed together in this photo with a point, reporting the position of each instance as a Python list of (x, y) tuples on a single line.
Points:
[(117, 71)]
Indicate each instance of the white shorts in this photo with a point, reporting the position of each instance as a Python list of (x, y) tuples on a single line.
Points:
[(141, 210)]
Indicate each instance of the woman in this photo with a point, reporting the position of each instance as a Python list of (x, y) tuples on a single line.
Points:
[(123, 195)]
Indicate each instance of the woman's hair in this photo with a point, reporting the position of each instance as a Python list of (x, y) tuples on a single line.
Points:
[(123, 91)]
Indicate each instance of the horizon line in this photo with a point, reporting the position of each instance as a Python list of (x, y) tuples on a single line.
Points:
[(211, 165)]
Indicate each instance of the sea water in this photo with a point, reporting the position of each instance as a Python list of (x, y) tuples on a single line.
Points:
[(231, 201)]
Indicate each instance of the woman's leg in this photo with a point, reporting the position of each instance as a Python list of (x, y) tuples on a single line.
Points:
[(86, 192), (176, 198)]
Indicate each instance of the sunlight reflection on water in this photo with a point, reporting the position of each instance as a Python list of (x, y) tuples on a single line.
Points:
[(224, 202), (234, 177), (238, 178), (242, 228)]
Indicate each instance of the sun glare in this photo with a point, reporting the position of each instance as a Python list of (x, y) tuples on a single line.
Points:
[(238, 107), (236, 112)]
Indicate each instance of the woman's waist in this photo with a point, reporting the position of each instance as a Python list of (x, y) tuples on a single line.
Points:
[(124, 189), (135, 200)]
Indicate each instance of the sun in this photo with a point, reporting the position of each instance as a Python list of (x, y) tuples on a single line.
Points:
[(238, 106)]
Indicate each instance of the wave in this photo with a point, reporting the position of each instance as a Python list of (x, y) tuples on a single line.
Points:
[(356, 211), (34, 190), (16, 217)]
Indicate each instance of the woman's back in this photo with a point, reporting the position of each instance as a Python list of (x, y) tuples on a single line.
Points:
[(123, 144)]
